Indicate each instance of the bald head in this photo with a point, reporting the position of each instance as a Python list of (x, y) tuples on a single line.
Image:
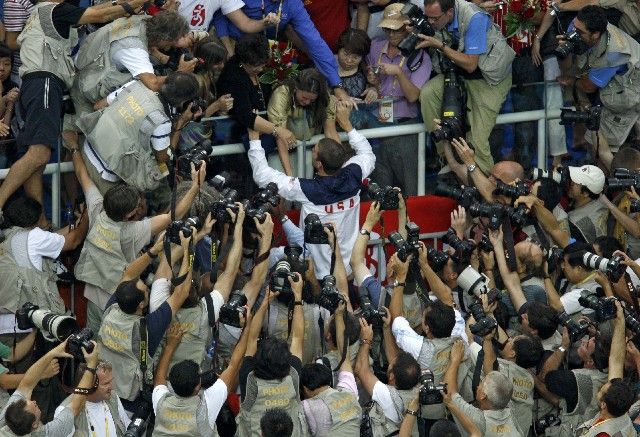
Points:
[(508, 171)]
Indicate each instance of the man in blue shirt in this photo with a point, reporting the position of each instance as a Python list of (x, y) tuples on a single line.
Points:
[(291, 12), (466, 36), (608, 61)]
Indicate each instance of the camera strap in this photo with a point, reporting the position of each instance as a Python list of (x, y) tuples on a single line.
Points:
[(542, 237), (143, 349), (633, 292), (77, 390), (221, 256), (477, 373), (323, 346), (509, 250)]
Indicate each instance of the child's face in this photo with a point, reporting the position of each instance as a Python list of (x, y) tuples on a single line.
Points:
[(5, 69)]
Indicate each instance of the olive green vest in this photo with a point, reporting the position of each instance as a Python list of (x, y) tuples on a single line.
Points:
[(119, 339), (590, 219), (6, 432), (262, 395), (279, 323), (43, 49), (412, 309), (622, 91), (185, 417), (345, 412), (333, 357), (97, 75), (438, 366), (495, 63), (522, 396), (81, 423), (26, 284), (102, 261), (194, 322), (501, 423), (120, 135), (380, 424), (617, 426)]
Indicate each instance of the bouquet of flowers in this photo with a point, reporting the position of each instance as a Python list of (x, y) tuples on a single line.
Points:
[(519, 17), (282, 64)]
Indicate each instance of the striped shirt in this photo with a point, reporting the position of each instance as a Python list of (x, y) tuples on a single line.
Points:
[(16, 13)]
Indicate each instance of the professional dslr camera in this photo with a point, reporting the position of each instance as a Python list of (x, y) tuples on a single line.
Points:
[(407, 247), (560, 175), (329, 297), (420, 24), (437, 258), (623, 179), (631, 322), (314, 230), (80, 340), (54, 327), (296, 261), (387, 197), (554, 256), (474, 285), (573, 45), (260, 205), (484, 324), (548, 420), (485, 244), (219, 208), (138, 423), (230, 311), (613, 268), (174, 228), (370, 312), (280, 278), (430, 392), (465, 196), (512, 191), (199, 152), (605, 308), (577, 329), (634, 207), (463, 248), (452, 120), (590, 117), (492, 211)]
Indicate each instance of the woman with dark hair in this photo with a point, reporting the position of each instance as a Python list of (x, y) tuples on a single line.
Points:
[(302, 104)]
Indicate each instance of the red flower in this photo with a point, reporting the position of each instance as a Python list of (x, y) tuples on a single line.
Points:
[(515, 6), (282, 45), (281, 75), (529, 13), (286, 58)]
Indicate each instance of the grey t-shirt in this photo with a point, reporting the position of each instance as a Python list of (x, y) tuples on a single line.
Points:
[(61, 425)]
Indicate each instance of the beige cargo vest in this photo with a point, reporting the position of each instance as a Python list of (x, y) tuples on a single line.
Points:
[(262, 395), (43, 49), (623, 91), (120, 135), (97, 75), (26, 284), (119, 339), (590, 219), (333, 357), (617, 426), (197, 336), (522, 397), (380, 424), (500, 423), (344, 409), (185, 417), (279, 323), (81, 423)]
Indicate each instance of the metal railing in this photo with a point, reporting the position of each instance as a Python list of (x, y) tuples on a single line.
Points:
[(305, 168)]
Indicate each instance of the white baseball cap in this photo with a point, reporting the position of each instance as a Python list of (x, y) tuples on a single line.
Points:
[(589, 176)]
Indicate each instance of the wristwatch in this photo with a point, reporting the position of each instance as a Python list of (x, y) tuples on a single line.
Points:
[(363, 231), (412, 412), (398, 284), (471, 168), (561, 349)]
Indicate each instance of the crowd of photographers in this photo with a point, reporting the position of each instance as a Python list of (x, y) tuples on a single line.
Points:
[(210, 313)]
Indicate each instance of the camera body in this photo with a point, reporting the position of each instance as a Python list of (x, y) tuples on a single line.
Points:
[(577, 329), (330, 298), (494, 212), (139, 420), (485, 244), (554, 256), (80, 340), (407, 247), (198, 153), (437, 258), (314, 230), (280, 278), (547, 420), (174, 228), (260, 205), (519, 215), (430, 392), (228, 201), (613, 268), (420, 24), (387, 197), (560, 174), (590, 117), (452, 119), (371, 313), (465, 196), (512, 191), (230, 311), (623, 179), (296, 260), (631, 322), (54, 327), (573, 45), (484, 325), (463, 248), (605, 308), (474, 285)]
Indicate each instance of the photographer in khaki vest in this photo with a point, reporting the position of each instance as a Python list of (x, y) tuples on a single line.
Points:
[(269, 375), (103, 412), (117, 234), (189, 409), (129, 140), (616, 396), (466, 37), (608, 62)]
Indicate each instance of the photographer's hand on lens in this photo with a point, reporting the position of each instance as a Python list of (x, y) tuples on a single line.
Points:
[(422, 255), (366, 331), (184, 241), (187, 66), (91, 358), (496, 237), (626, 260), (52, 369), (331, 235), (296, 285), (619, 320), (386, 319), (429, 41), (264, 229), (486, 307), (466, 153), (340, 310), (60, 351), (373, 216), (198, 176), (401, 268), (237, 217), (209, 221)]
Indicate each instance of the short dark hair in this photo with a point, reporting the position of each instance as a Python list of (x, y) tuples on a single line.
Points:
[(351, 328), (316, 375), (333, 155), (588, 192), (574, 252), (252, 49), (542, 318), (184, 378), (607, 245), (406, 370), (180, 88), (166, 26), (129, 296), (594, 18), (276, 422), (440, 318), (19, 421), (626, 157), (528, 351), (24, 212), (354, 41), (619, 397), (5, 52), (444, 428), (445, 5), (120, 200), (602, 350), (273, 358)]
